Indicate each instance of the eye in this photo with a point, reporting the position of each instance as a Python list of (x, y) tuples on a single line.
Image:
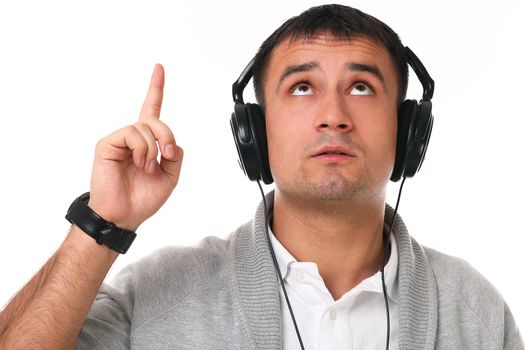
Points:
[(361, 89), (301, 89)]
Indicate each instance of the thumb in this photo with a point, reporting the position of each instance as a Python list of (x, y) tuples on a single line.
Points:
[(171, 167)]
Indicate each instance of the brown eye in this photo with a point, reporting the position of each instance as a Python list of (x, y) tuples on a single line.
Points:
[(361, 89), (301, 90)]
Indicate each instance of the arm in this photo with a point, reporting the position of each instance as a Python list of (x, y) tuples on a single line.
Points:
[(50, 310), (128, 185)]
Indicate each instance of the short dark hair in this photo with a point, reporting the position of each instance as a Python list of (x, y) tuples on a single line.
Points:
[(341, 22)]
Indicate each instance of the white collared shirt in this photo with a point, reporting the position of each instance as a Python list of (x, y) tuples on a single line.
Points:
[(355, 321)]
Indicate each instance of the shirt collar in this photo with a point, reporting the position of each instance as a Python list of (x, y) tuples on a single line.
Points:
[(283, 256), (285, 259)]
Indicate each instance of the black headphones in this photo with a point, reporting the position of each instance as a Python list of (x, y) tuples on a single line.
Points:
[(415, 122)]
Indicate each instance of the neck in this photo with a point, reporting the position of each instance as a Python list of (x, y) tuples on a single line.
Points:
[(344, 240)]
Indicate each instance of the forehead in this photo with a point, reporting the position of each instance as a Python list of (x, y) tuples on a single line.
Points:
[(331, 52)]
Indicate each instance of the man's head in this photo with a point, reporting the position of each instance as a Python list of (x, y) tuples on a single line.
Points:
[(330, 81), (341, 22)]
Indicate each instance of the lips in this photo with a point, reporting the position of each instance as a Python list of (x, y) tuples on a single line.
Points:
[(333, 150)]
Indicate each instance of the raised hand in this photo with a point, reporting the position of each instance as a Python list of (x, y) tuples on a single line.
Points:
[(128, 184)]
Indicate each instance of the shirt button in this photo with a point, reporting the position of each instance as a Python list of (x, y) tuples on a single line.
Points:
[(333, 315), (300, 275)]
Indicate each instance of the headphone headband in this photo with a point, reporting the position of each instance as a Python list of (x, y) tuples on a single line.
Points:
[(417, 66), (422, 74), (241, 82)]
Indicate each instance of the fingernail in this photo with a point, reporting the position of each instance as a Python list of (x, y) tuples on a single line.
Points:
[(142, 161), (170, 152), (151, 166)]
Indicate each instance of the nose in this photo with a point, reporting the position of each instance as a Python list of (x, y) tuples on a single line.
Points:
[(333, 114)]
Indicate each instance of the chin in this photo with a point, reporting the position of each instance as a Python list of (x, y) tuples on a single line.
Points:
[(332, 188), (332, 185)]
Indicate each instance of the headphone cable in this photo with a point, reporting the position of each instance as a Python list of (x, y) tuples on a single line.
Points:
[(385, 252)]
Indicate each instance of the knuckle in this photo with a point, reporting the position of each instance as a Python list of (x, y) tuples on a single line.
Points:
[(100, 144), (130, 129), (141, 147), (164, 132), (143, 128), (153, 151), (166, 138), (103, 143), (153, 108), (169, 135), (139, 123)]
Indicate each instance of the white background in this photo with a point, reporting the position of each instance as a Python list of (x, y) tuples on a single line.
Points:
[(72, 72)]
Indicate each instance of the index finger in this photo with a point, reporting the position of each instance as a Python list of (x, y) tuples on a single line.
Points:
[(153, 101)]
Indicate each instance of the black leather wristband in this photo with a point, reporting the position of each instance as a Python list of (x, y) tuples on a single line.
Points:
[(104, 232)]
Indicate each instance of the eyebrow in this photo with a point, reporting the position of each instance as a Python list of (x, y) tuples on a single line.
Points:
[(297, 68), (309, 66), (359, 67)]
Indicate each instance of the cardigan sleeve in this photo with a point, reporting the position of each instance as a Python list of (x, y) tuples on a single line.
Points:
[(512, 338), (107, 325)]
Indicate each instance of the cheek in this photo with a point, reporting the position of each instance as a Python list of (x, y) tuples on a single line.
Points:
[(279, 144), (379, 133), (285, 142), (388, 148)]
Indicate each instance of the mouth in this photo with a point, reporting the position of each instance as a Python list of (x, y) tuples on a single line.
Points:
[(329, 152)]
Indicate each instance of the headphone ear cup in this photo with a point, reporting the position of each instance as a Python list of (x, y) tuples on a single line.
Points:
[(405, 125), (258, 124), (420, 139), (249, 133), (242, 135)]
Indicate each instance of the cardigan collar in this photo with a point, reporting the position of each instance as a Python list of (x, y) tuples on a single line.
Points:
[(258, 289)]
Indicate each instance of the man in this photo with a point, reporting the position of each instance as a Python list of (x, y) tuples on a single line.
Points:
[(330, 89)]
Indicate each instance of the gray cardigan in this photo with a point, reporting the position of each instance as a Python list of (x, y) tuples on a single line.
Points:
[(223, 294)]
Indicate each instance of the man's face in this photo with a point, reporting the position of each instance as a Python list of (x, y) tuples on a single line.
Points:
[(331, 118)]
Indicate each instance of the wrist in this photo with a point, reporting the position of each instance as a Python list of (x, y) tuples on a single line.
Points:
[(79, 242), (103, 231), (107, 212)]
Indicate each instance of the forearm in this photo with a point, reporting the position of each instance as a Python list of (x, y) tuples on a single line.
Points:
[(50, 310), (128, 185)]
